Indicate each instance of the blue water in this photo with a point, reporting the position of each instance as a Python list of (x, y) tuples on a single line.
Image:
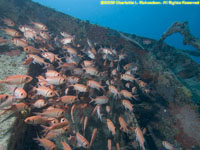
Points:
[(143, 20)]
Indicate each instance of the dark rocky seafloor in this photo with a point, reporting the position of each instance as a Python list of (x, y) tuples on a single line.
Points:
[(170, 112)]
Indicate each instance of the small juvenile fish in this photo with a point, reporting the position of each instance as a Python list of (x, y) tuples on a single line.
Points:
[(111, 126), (47, 144), (82, 141), (17, 79)]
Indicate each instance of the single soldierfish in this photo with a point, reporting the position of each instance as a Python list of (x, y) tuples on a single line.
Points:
[(12, 32), (36, 120), (80, 87), (44, 91), (111, 126), (47, 144), (100, 100), (123, 125), (31, 50), (68, 99), (109, 144), (95, 85), (82, 141), (94, 133), (8, 22), (16, 108), (55, 113), (140, 137), (40, 103), (19, 42), (40, 26), (65, 146), (20, 93), (52, 73), (127, 104), (17, 79)]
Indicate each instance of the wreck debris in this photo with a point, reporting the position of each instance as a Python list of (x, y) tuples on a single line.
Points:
[(183, 29)]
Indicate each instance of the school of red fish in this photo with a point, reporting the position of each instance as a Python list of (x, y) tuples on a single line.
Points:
[(78, 84)]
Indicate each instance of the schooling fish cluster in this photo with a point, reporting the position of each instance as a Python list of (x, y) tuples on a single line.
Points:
[(76, 84)]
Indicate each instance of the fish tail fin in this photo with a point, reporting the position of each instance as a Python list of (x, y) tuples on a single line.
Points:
[(92, 99)]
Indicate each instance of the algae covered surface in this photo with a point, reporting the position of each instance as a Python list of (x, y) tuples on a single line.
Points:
[(9, 66)]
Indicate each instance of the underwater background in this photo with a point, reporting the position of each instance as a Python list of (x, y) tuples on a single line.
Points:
[(147, 82), (143, 20)]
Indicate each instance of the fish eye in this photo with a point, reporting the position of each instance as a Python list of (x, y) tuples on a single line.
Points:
[(22, 94), (62, 112), (51, 93), (62, 120), (6, 96)]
